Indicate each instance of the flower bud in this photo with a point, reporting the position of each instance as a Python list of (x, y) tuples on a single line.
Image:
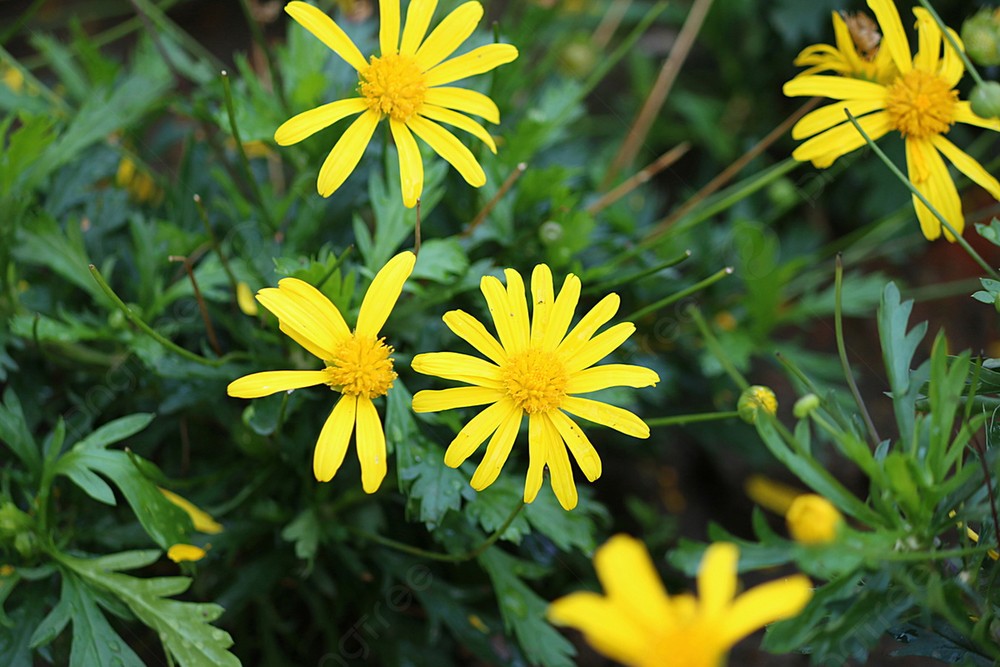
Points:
[(805, 405), (981, 35), (985, 99), (813, 519), (756, 398)]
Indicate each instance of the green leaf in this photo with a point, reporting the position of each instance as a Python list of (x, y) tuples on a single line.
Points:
[(94, 640), (990, 232), (568, 530), (898, 348), (440, 260), (437, 487), (493, 505), (305, 532), (115, 431), (15, 434), (184, 627)]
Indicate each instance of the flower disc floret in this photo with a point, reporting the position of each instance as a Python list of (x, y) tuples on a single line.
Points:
[(393, 85), (361, 367), (921, 104), (535, 380)]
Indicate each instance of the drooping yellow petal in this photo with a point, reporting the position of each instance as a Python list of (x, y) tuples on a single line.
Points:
[(450, 117), (459, 367), (603, 625), (473, 332), (346, 153), (825, 148), (611, 416), (893, 36), (562, 312), (447, 145), (630, 580), (824, 118), (383, 293), (418, 17), (498, 448), (477, 61), (502, 313), (474, 432), (328, 32), (334, 438), (929, 42), (579, 445), (765, 604), (311, 299), (388, 33), (449, 35), (266, 383), (834, 87), (560, 471), (611, 375), (964, 114), (519, 309), (967, 165), (466, 101), (438, 400), (542, 300), (537, 452), (308, 123), (200, 519), (411, 167), (717, 578), (371, 445), (930, 177), (185, 553), (599, 315)]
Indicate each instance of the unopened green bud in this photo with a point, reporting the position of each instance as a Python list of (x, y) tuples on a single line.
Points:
[(981, 35), (753, 400), (985, 99), (578, 59), (805, 405), (550, 232)]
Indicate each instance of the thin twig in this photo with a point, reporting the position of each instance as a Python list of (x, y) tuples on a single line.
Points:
[(241, 151), (678, 420), (215, 243), (712, 343), (640, 177), (491, 204), (202, 307), (609, 24), (838, 324), (677, 296)]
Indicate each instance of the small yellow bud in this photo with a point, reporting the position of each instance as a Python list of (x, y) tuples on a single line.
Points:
[(805, 405), (813, 519), (245, 300), (184, 553), (756, 398)]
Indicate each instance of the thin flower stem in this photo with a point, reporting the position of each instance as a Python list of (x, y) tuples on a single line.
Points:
[(258, 37), (148, 330), (798, 373), (23, 18), (437, 555), (202, 307), (677, 420), (601, 288), (954, 44), (336, 265), (713, 344), (640, 177), (919, 195), (491, 204), (609, 24), (677, 296), (416, 231), (838, 324), (215, 243), (156, 21), (241, 151)]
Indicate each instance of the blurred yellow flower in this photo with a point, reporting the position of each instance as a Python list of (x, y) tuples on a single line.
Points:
[(139, 184), (183, 553), (849, 58), (636, 623), (203, 522), (536, 369), (920, 102), (406, 85), (357, 364), (244, 299), (812, 519), (6, 570), (11, 77)]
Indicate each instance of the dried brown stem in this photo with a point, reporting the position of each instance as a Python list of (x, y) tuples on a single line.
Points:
[(202, 307), (640, 177), (491, 204)]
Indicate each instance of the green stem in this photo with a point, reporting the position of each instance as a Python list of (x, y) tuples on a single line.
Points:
[(148, 330), (697, 287), (838, 323), (215, 244), (600, 288), (677, 420), (244, 161), (258, 37), (951, 41), (919, 195), (798, 373), (437, 555), (713, 345)]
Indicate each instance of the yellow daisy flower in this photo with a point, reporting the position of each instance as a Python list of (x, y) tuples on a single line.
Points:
[(536, 368), (920, 103), (849, 58), (358, 365), (639, 625), (407, 85)]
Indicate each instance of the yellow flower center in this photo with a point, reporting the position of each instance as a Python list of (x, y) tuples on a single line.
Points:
[(535, 380), (921, 104), (361, 367), (393, 85)]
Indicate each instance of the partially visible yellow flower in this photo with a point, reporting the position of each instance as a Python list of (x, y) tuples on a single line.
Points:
[(921, 103), (139, 184), (357, 364), (812, 519), (202, 520), (244, 299), (847, 58), (770, 494), (11, 77), (182, 553), (636, 623), (6, 570), (754, 399), (536, 368), (406, 84)]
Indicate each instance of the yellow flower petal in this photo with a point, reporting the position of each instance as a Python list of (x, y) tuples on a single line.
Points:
[(346, 153), (611, 375), (202, 520), (459, 367), (383, 293), (630, 580), (765, 604), (825, 148), (438, 400), (542, 301), (498, 448), (184, 553), (328, 32), (578, 337), (717, 578), (560, 471), (477, 61), (450, 117), (562, 312), (244, 299), (418, 17), (537, 452), (967, 165), (445, 144), (314, 301), (300, 314), (466, 101), (474, 432), (845, 43), (308, 123), (952, 67), (611, 416), (502, 313), (603, 625), (257, 385), (834, 87), (824, 118), (964, 114), (473, 332), (519, 308), (334, 439), (411, 167), (579, 445), (449, 35), (893, 36), (929, 175), (929, 42), (371, 445), (388, 34), (599, 347)]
